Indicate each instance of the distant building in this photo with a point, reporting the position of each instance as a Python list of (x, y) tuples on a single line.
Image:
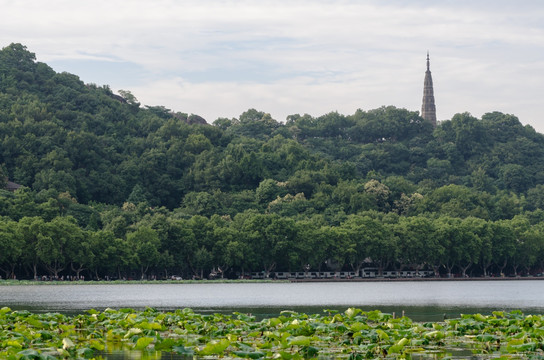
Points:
[(11, 186), (428, 109)]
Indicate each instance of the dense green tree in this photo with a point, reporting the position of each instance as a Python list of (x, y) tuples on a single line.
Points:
[(10, 247), (466, 250), (417, 246), (503, 244), (269, 190), (145, 244), (53, 241), (369, 242), (29, 229), (528, 244)]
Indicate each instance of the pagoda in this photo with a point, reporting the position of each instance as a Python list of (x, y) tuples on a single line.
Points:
[(428, 109)]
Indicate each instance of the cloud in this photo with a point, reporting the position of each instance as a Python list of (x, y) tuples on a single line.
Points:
[(218, 58)]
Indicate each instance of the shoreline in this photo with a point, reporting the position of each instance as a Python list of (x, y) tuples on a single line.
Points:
[(408, 279), (260, 281)]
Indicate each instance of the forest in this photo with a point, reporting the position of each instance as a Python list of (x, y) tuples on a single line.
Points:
[(113, 188)]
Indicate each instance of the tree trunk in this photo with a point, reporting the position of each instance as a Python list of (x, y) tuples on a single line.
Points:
[(464, 269), (34, 268), (436, 270), (7, 272), (381, 266), (78, 270), (144, 271), (501, 268), (54, 269), (485, 267), (515, 267), (357, 268), (268, 269), (449, 267)]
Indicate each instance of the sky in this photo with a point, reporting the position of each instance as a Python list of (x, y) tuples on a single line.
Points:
[(219, 58)]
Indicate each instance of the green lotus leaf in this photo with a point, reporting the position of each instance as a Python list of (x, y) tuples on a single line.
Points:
[(273, 322), (5, 310), (149, 326), (351, 312), (514, 344), (45, 335), (143, 343), (310, 351), (85, 352), (183, 350), (132, 332), (434, 335), (166, 344), (244, 317), (358, 326), (35, 323), (486, 337), (63, 353), (498, 314), (214, 347), (249, 354), (398, 346), (300, 341), (97, 344), (374, 315), (29, 354), (382, 334), (15, 344), (287, 356), (289, 312), (517, 348)]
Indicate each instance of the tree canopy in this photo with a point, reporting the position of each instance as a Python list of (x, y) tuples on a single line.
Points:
[(111, 187)]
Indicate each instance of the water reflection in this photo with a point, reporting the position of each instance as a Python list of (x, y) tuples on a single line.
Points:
[(417, 299)]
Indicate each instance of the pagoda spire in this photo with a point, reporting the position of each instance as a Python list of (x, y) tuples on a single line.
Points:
[(428, 109)]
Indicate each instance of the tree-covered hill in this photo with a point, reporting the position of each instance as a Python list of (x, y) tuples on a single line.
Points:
[(104, 165)]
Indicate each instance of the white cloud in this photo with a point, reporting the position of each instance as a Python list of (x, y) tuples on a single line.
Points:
[(297, 56)]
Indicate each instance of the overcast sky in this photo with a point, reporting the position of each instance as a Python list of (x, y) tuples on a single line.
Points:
[(219, 58)]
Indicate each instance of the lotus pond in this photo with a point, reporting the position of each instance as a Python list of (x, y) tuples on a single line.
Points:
[(185, 334)]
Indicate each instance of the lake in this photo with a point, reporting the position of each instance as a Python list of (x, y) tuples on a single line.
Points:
[(420, 300)]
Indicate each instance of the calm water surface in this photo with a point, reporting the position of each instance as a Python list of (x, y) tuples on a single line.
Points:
[(422, 299)]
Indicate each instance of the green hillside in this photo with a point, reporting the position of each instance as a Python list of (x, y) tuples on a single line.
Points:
[(113, 187)]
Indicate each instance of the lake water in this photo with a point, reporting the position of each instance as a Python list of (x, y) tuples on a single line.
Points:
[(420, 300)]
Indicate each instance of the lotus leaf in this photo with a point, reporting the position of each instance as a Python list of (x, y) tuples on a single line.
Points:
[(353, 334), (143, 343)]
